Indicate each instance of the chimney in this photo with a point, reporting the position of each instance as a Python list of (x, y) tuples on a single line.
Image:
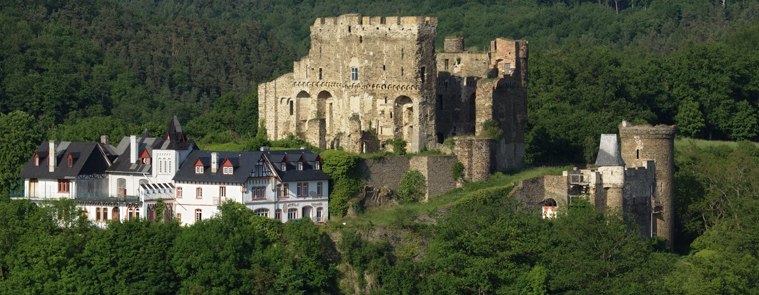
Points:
[(51, 156), (214, 162), (104, 139), (133, 149)]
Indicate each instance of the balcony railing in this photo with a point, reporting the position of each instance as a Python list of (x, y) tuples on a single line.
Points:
[(82, 197)]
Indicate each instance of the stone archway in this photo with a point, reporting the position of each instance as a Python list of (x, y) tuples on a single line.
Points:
[(549, 208), (403, 120)]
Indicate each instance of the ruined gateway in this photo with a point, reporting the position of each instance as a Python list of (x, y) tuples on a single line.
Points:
[(367, 80)]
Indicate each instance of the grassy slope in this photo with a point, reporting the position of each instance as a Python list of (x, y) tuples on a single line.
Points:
[(702, 143), (388, 215)]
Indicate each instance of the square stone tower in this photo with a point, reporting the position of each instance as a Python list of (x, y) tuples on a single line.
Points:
[(365, 80)]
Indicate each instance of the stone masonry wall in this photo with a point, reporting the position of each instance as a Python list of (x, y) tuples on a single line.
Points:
[(388, 172), (476, 156), (645, 142), (438, 171)]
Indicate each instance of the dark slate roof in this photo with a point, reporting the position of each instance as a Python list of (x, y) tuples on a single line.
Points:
[(175, 139), (89, 158), (244, 163), (292, 173), (123, 164)]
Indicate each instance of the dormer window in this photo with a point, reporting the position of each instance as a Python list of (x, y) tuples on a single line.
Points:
[(227, 168), (284, 166), (145, 157), (36, 159), (317, 166), (300, 166), (199, 167), (70, 161)]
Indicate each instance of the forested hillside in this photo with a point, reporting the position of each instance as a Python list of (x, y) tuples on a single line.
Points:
[(73, 70)]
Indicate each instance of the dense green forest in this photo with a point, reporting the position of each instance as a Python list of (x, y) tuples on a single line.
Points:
[(483, 244), (74, 70)]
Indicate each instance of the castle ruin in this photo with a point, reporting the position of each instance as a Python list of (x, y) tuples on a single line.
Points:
[(367, 80), (632, 176)]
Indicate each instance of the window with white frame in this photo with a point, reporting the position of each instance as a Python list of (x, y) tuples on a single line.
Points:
[(198, 169), (319, 189), (198, 215), (262, 212), (179, 192), (199, 193), (222, 191), (227, 170), (292, 214)]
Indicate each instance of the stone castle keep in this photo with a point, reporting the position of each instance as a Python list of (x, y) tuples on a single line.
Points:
[(367, 80)]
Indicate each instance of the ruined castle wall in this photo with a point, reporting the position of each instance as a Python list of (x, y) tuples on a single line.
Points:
[(438, 171), (497, 101), (535, 190), (273, 106), (476, 156), (388, 172), (455, 105), (385, 171), (464, 64), (640, 183)]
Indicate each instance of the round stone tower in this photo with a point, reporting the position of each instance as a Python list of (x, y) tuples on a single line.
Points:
[(645, 142), (453, 44)]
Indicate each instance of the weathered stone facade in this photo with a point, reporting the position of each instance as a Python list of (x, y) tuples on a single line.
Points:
[(387, 172), (636, 181), (476, 87), (645, 142), (367, 80)]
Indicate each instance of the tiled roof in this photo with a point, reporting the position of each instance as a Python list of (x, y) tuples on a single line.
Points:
[(89, 158), (244, 163)]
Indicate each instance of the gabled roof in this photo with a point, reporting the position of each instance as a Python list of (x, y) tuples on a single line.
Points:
[(89, 158), (123, 162), (244, 163)]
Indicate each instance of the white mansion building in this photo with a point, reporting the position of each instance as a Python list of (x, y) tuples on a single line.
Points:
[(130, 180)]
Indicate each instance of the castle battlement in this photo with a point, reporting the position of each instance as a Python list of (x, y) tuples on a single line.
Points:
[(647, 130), (355, 19)]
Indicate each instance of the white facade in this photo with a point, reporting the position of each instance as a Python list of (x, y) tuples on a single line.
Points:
[(202, 200)]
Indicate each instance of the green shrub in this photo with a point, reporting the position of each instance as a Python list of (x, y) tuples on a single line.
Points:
[(491, 130), (458, 171), (399, 145), (412, 188), (342, 167)]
